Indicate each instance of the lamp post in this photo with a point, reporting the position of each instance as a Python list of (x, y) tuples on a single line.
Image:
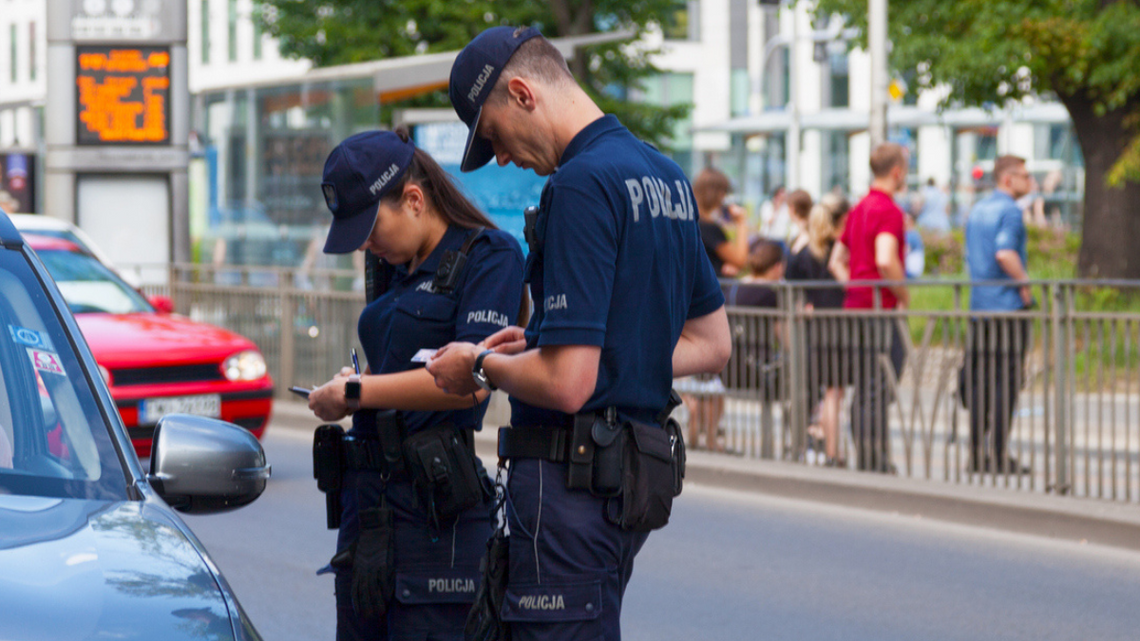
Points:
[(877, 41)]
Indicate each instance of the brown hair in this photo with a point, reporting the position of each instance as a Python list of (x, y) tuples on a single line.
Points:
[(440, 190), (799, 204), (886, 157), (1004, 164), (765, 254), (537, 59), (709, 188)]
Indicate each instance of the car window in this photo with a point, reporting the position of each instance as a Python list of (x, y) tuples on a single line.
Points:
[(54, 440), (88, 286)]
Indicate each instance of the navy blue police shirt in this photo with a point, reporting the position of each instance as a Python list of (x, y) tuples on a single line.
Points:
[(619, 265), (412, 316)]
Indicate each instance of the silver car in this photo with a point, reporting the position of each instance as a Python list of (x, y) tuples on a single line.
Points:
[(89, 545)]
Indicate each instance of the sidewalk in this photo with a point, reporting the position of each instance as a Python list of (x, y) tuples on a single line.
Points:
[(1094, 521)]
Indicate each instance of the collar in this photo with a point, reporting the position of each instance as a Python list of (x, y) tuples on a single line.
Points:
[(591, 132), (1001, 195), (452, 240)]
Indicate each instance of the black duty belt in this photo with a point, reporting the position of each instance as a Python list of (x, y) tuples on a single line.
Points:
[(549, 443), (368, 454)]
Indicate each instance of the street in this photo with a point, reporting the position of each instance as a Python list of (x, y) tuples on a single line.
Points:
[(734, 565)]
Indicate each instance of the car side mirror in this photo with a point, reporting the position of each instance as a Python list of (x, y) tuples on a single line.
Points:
[(201, 465), (161, 304)]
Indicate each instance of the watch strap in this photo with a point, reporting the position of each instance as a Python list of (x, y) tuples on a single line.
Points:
[(352, 400), (478, 369)]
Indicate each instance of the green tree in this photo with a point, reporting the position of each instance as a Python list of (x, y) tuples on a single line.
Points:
[(1086, 53), (333, 32)]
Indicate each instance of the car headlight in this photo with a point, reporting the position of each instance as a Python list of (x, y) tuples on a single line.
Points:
[(244, 366), (106, 374)]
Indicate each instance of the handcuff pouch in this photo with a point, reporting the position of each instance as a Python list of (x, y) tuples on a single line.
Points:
[(580, 466)]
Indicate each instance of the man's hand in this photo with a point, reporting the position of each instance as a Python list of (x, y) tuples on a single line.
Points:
[(510, 340), (452, 365), (327, 401)]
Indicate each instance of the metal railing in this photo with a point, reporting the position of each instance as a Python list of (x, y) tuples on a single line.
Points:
[(1074, 427)]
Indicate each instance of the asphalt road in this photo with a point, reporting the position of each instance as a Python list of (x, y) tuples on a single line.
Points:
[(738, 565)]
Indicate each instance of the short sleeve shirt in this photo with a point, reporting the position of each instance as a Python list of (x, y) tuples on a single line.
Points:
[(876, 214), (995, 223), (412, 315), (620, 265)]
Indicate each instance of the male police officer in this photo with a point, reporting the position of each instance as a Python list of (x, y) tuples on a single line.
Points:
[(625, 299)]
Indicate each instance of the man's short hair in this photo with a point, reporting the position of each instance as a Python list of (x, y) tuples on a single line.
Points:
[(1005, 164), (538, 59), (886, 157)]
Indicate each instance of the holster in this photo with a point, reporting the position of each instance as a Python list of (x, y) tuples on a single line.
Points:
[(328, 469), (484, 621)]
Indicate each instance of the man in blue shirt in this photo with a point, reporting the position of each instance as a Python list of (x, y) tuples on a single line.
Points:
[(625, 300), (991, 376)]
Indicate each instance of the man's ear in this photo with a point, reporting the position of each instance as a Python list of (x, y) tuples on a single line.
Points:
[(521, 92)]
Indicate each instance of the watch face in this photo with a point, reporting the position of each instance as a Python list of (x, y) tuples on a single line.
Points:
[(352, 390)]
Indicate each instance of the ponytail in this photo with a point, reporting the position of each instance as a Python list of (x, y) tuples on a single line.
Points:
[(440, 190)]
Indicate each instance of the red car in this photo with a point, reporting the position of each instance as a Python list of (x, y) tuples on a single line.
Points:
[(156, 362)]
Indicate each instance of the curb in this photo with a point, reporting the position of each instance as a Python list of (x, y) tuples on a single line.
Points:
[(1085, 520)]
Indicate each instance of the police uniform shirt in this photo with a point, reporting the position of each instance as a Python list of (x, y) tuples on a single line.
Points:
[(620, 265), (412, 316)]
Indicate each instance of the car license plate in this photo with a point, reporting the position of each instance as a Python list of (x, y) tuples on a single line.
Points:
[(152, 409)]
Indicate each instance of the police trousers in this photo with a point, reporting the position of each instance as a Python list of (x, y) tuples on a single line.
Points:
[(569, 565), (437, 571)]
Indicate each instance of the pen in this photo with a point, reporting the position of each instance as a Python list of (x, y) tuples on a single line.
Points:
[(355, 361)]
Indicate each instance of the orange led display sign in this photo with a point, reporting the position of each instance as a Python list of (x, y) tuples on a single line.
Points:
[(122, 95)]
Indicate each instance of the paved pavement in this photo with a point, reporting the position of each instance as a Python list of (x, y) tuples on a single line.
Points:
[(1077, 519)]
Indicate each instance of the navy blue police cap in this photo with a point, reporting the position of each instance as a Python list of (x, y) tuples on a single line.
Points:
[(473, 75), (358, 172)]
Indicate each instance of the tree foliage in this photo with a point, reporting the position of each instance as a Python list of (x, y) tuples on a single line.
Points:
[(992, 51), (1085, 53), (333, 32)]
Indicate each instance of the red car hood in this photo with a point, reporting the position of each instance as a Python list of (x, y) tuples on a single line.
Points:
[(145, 339)]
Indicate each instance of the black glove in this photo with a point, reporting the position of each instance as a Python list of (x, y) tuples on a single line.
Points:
[(373, 574)]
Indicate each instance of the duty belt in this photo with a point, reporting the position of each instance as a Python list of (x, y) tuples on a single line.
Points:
[(368, 454), (538, 441)]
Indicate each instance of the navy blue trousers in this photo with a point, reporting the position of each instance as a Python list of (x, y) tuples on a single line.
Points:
[(437, 571), (568, 564)]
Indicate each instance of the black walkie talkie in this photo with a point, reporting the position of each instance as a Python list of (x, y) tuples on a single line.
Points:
[(530, 221), (377, 275)]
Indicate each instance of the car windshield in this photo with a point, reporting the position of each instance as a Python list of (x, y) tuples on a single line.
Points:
[(54, 440), (88, 286)]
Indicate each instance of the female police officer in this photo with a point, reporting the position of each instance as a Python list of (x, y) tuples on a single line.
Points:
[(405, 568)]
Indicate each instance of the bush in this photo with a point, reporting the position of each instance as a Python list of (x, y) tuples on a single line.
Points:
[(1052, 253), (945, 253)]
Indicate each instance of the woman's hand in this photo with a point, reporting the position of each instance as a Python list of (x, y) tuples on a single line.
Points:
[(327, 401)]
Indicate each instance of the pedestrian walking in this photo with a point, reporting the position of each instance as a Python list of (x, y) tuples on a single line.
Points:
[(996, 341), (871, 249)]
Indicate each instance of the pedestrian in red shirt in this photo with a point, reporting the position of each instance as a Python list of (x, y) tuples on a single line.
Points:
[(871, 249)]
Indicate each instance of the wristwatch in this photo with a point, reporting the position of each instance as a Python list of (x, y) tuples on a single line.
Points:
[(352, 392), (479, 375)]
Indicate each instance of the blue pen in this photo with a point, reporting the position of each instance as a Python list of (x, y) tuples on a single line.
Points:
[(355, 361)]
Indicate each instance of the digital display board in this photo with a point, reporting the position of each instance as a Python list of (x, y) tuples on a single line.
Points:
[(122, 95)]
